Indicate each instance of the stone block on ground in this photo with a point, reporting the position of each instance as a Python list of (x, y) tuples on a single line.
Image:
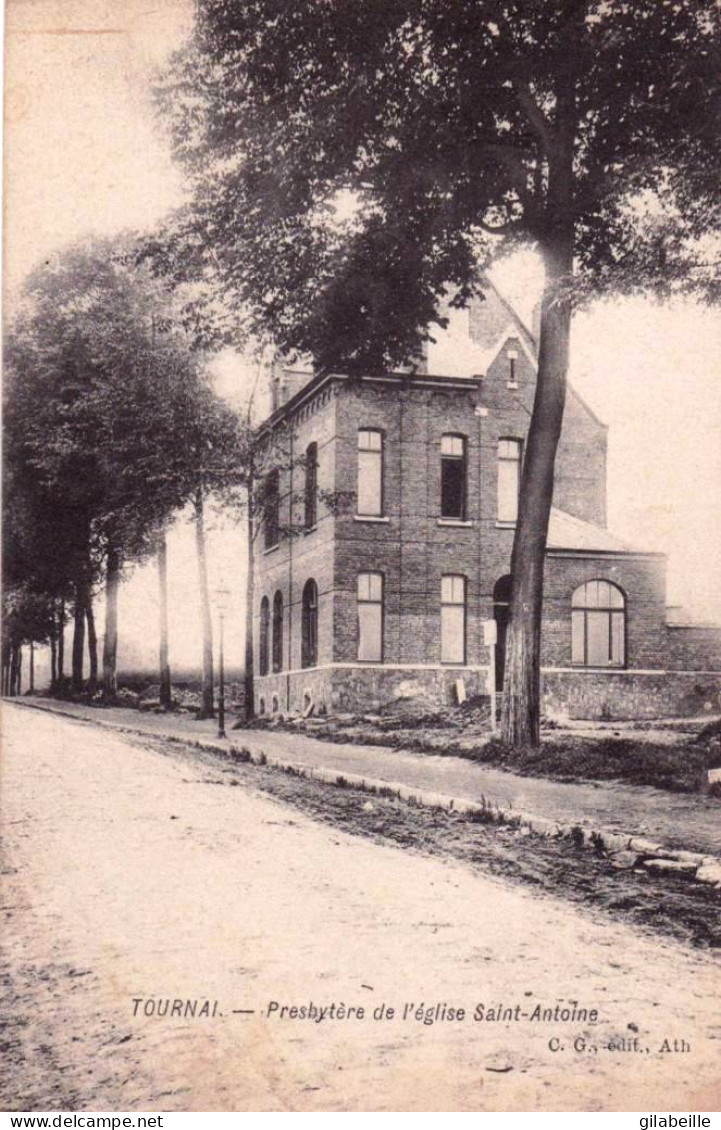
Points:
[(644, 847), (614, 842), (624, 860), (669, 867), (709, 873)]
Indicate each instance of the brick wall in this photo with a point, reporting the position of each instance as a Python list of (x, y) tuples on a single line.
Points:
[(694, 648), (300, 554), (642, 579), (413, 549)]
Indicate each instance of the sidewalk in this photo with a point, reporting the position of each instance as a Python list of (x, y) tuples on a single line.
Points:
[(676, 820)]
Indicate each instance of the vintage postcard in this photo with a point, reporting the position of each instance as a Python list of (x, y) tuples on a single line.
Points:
[(361, 613)]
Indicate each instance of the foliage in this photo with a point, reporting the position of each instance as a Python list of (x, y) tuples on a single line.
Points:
[(27, 616), (445, 127), (353, 163), (111, 427), (110, 418)]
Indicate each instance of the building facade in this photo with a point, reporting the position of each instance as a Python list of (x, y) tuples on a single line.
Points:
[(387, 536)]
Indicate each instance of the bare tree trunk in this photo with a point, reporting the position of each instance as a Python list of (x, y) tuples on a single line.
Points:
[(53, 660), (249, 677), (521, 690), (78, 634), (206, 706), (166, 694), (110, 642), (61, 642), (19, 675), (12, 671), (31, 685), (92, 642)]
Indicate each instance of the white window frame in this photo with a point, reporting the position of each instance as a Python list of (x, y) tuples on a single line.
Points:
[(370, 593), (371, 459), (454, 592)]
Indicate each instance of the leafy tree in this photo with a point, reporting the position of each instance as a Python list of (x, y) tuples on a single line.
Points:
[(106, 399), (28, 618), (38, 539), (459, 131)]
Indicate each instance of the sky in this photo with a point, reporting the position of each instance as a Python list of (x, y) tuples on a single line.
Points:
[(84, 153)]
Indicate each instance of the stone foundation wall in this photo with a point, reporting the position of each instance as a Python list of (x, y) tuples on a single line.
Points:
[(293, 691), (364, 689), (627, 695), (596, 695), (369, 689)]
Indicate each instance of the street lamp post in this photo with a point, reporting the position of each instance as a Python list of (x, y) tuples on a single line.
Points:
[(221, 602)]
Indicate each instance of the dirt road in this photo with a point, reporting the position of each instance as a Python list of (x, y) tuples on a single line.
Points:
[(130, 877)]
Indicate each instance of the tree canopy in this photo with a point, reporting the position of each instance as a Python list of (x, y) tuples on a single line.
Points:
[(455, 130), (111, 423)]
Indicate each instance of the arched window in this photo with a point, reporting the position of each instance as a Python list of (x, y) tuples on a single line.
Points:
[(501, 614), (453, 477), (264, 628), (311, 485), (598, 625), (309, 627), (278, 631)]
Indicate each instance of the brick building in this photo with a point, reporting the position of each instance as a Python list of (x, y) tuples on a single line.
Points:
[(384, 598)]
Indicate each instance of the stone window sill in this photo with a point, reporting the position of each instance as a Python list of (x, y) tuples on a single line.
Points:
[(599, 670), (310, 529), (462, 523), (505, 525), (370, 518), (272, 548)]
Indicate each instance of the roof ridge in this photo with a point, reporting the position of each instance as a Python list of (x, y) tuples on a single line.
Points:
[(509, 307)]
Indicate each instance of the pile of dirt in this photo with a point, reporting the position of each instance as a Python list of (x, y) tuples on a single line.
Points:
[(710, 738)]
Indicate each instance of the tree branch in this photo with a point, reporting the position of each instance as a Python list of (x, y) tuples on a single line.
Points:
[(500, 229), (534, 114)]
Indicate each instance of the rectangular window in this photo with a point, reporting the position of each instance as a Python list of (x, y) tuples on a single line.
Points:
[(370, 473), (509, 478), (453, 619), (271, 509), (453, 477), (370, 617), (311, 485)]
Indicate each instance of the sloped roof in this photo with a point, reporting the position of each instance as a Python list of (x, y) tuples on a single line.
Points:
[(567, 532)]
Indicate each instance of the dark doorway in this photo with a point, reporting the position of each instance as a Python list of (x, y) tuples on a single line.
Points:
[(501, 614)]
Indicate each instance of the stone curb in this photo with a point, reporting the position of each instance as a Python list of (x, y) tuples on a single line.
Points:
[(652, 857)]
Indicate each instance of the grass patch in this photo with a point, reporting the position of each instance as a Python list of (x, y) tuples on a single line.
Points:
[(678, 768)]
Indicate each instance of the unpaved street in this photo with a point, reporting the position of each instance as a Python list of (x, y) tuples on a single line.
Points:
[(129, 875)]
